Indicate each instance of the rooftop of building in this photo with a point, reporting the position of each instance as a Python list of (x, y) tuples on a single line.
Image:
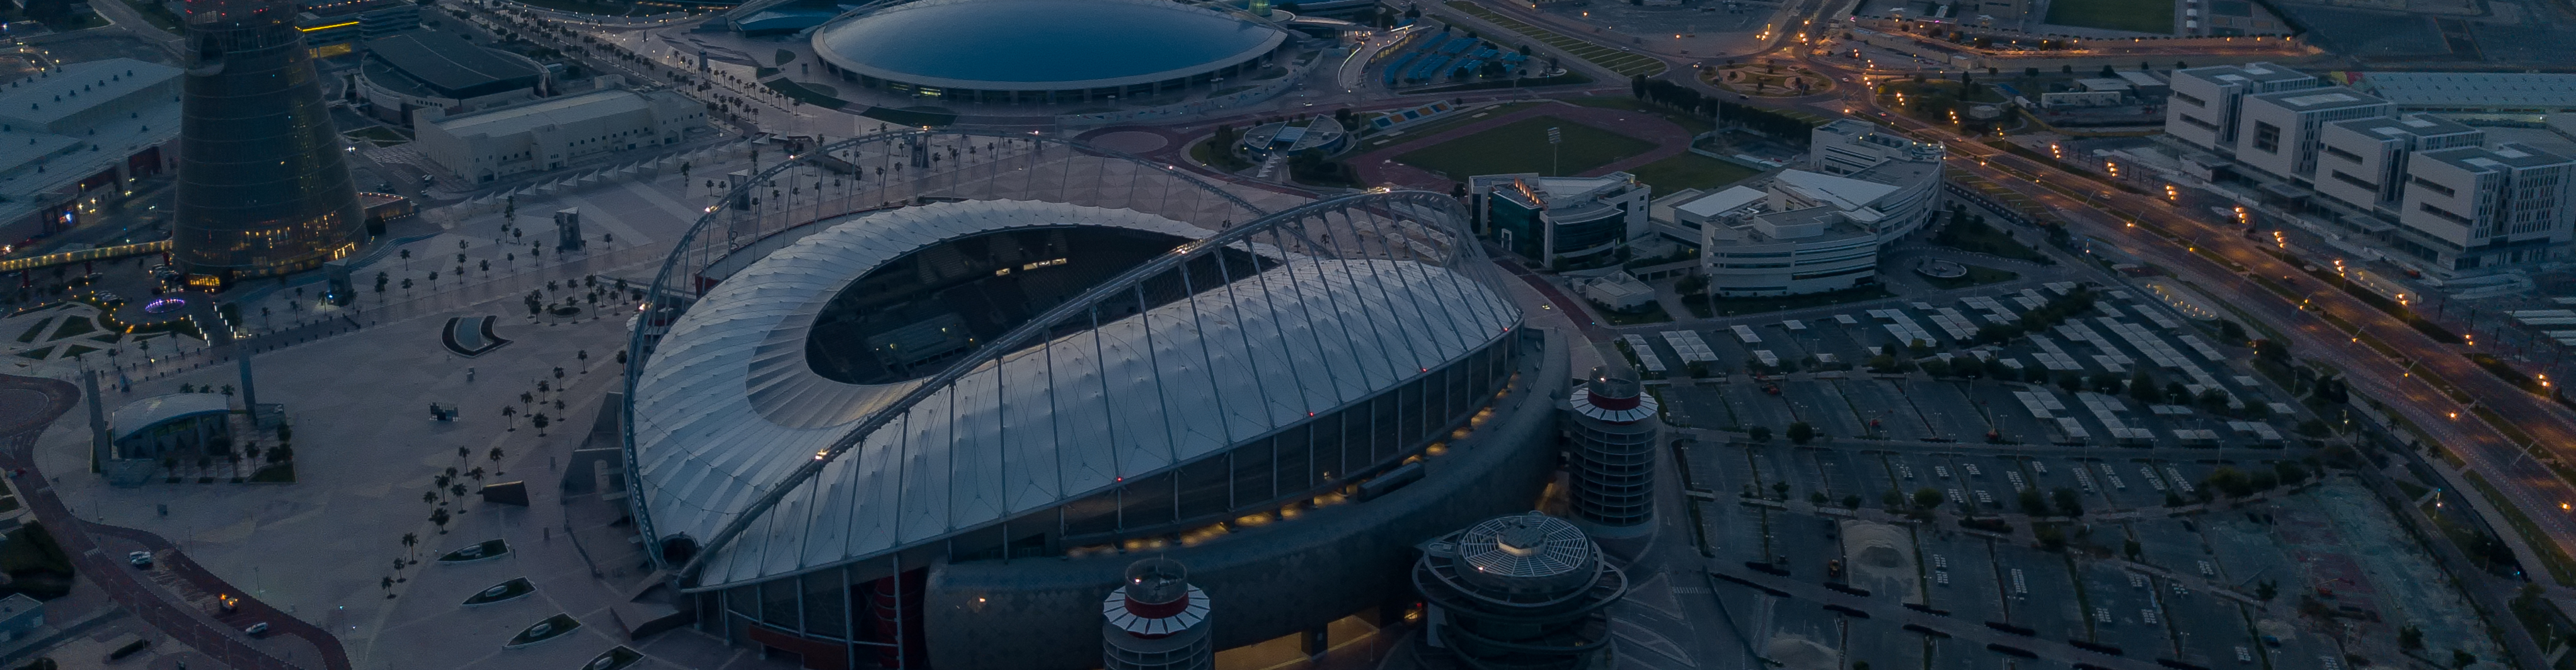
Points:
[(50, 96), (445, 61), (554, 111), (2417, 125), (1721, 202), (1042, 44), (2248, 73), (1817, 224), (2320, 99), (144, 413), (1562, 192), (2498, 157), (2471, 89)]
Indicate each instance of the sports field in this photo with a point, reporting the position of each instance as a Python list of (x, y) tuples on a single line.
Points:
[(1689, 170), (2144, 16), (1521, 146)]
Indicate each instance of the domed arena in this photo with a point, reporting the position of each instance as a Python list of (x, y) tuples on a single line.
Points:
[(1044, 51), (875, 421)]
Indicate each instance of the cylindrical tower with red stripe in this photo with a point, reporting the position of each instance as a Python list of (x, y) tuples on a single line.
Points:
[(1156, 621), (1611, 427)]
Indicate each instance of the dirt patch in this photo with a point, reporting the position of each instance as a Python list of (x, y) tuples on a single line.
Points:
[(1880, 557)]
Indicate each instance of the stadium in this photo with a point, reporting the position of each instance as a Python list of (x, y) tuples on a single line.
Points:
[(909, 390), (1044, 51)]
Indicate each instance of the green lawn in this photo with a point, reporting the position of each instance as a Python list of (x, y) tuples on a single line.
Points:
[(1617, 60), (1694, 123), (2145, 16), (802, 94), (1974, 234), (1522, 147), (1690, 171)]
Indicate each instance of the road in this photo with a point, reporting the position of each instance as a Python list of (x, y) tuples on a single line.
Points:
[(185, 624), (2410, 377)]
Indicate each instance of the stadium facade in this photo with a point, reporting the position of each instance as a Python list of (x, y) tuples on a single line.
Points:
[(923, 421), (1045, 51)]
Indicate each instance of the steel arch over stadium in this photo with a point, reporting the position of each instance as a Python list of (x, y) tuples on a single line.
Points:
[(1247, 330)]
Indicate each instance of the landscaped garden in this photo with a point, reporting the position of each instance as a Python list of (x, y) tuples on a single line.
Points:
[(1616, 60), (1522, 146)]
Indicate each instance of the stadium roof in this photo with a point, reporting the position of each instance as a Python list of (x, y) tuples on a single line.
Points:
[(76, 87), (449, 63), (1042, 44), (143, 413), (2472, 90), (727, 407), (560, 110)]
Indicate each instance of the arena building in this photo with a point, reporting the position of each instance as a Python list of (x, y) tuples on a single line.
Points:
[(1041, 51), (852, 436), (428, 70)]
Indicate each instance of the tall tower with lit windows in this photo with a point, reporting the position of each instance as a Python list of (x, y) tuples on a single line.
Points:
[(264, 185)]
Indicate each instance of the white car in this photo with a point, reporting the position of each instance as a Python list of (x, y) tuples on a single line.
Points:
[(257, 629), (140, 559)]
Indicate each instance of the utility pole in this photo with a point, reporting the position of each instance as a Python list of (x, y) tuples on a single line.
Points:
[(1555, 137)]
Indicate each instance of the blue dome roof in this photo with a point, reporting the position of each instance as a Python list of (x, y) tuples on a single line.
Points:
[(1041, 44)]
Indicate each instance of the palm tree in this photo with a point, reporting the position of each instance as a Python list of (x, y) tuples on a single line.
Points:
[(411, 545), (441, 517), (511, 414)]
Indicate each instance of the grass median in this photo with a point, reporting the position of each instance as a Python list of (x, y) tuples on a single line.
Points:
[(2562, 569)]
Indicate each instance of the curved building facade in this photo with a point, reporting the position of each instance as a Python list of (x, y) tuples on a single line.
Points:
[(264, 185), (848, 447), (1044, 50)]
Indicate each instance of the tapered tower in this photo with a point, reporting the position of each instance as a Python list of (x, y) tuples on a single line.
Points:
[(264, 184)]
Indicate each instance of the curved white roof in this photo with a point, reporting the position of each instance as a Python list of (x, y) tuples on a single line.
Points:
[(727, 406), (145, 413)]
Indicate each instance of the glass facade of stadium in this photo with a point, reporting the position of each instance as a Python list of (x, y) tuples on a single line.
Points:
[(1262, 481), (1204, 78)]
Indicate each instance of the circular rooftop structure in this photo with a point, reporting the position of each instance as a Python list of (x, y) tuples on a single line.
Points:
[(1043, 50)]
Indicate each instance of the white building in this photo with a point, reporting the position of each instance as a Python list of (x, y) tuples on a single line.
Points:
[(1563, 222), (553, 133), (2279, 131), (71, 137), (1821, 230), (2479, 207), (2363, 162), (2204, 100)]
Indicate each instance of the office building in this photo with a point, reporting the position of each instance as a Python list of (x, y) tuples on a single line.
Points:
[(1812, 231), (2363, 162), (2473, 207), (2281, 130), (1560, 222), (264, 186), (336, 29), (2203, 103)]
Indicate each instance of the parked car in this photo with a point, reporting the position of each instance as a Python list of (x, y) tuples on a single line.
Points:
[(140, 559), (257, 629)]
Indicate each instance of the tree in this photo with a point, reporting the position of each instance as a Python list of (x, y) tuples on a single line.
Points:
[(2107, 72), (1892, 499), (1927, 498), (1758, 433), (1935, 367), (540, 422), (2410, 638), (2032, 503), (2461, 659), (1801, 433), (2176, 392), (440, 517), (2267, 590), (2231, 481), (2142, 386), (2070, 381), (2068, 504), (2066, 69), (2106, 383), (411, 543), (1851, 501), (2030, 72), (1816, 498), (2132, 549), (2290, 472), (1781, 488)]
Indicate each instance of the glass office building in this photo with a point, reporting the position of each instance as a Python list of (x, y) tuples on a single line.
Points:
[(264, 185)]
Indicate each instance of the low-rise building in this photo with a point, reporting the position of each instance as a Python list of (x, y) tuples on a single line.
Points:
[(2474, 207), (2281, 130), (335, 29), (1560, 222), (554, 133), (433, 70), (2362, 162), (20, 615), (1812, 231), (1618, 291), (73, 136), (2204, 101)]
